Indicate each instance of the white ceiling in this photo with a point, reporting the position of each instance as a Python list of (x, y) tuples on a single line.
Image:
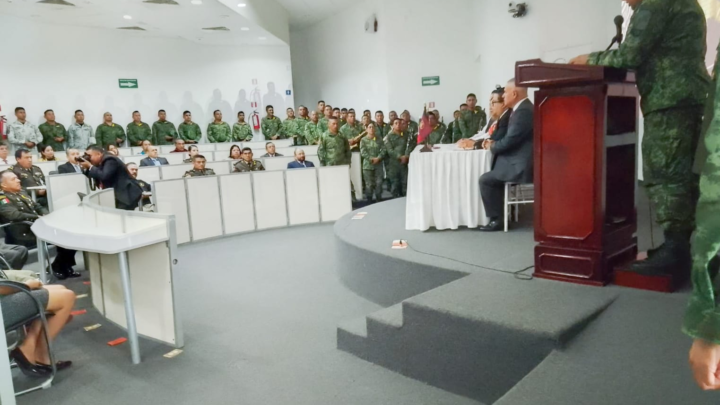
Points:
[(304, 13), (184, 20)]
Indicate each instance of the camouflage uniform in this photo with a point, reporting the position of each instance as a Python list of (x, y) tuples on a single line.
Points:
[(163, 130), (469, 124), (702, 317), (219, 133), (242, 132), (323, 124), (108, 134), (189, 132), (396, 146), (382, 131), (665, 45), (19, 133), (243, 166), (80, 137), (435, 137), (413, 127), (290, 129), (137, 133), (334, 150), (372, 173), (312, 133), (351, 131), (301, 124), (198, 173), (50, 132), (271, 127)]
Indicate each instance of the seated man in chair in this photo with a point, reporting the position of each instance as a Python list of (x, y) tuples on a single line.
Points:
[(513, 156), (16, 208)]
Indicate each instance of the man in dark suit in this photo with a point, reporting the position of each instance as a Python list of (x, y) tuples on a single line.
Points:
[(72, 165), (513, 155), (299, 162), (153, 159), (109, 172)]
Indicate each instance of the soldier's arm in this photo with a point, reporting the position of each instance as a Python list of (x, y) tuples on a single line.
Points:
[(12, 136), (38, 136), (132, 135), (483, 119), (363, 150), (389, 145), (321, 152), (93, 139), (348, 153), (198, 136), (70, 138), (98, 135), (210, 134), (11, 213), (174, 131), (264, 129), (121, 135), (46, 135), (646, 28), (463, 125)]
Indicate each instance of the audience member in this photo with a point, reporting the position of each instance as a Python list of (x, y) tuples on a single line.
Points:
[(132, 168), (373, 153), (334, 149), (396, 144), (23, 134), (271, 125), (199, 168), (498, 125), (320, 109), (323, 122), (242, 132), (312, 129), (4, 153), (514, 156), (109, 133), (29, 175), (189, 131), (299, 162), (109, 172), (47, 154), (235, 152), (381, 128), (163, 130), (53, 133), (352, 130), (145, 145), (153, 159), (270, 150), (412, 125), (16, 208), (218, 131), (138, 131), (451, 130), (192, 151), (179, 146), (72, 165), (80, 134), (248, 164), (113, 150)]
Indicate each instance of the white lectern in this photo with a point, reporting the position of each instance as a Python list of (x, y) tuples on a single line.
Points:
[(131, 259)]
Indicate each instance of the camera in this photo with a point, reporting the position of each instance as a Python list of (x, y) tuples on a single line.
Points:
[(83, 158)]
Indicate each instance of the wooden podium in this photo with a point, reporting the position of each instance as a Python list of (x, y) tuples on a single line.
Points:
[(585, 140)]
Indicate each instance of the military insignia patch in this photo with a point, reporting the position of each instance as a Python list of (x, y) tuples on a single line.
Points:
[(5, 201)]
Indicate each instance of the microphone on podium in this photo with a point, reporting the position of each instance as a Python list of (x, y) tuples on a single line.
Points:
[(619, 20)]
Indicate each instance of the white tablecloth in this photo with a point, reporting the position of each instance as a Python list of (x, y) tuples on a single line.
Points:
[(444, 190)]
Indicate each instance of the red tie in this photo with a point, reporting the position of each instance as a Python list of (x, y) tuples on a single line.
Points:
[(492, 129)]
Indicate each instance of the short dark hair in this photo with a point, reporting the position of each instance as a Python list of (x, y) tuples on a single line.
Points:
[(198, 156), (456, 111), (159, 111), (191, 147), (77, 111), (351, 110), (246, 149), (19, 152), (321, 101), (47, 111), (136, 112), (19, 109), (3, 143), (396, 119), (128, 164), (217, 111), (95, 148), (187, 112), (332, 118), (289, 108), (379, 112), (336, 109), (268, 144), (241, 112), (366, 111), (269, 107), (302, 106), (463, 105), (500, 91), (471, 95), (344, 110)]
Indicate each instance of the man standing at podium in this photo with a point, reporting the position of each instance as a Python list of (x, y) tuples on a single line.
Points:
[(665, 45)]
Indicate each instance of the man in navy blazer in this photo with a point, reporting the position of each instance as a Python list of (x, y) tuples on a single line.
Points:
[(513, 156), (153, 159), (299, 162)]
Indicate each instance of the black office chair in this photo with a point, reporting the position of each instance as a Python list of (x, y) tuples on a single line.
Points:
[(18, 327)]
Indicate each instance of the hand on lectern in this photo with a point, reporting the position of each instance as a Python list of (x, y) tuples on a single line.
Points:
[(580, 60), (704, 361)]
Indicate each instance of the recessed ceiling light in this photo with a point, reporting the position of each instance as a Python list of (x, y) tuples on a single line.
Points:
[(244, 29), (242, 5), (196, 2), (127, 17), (262, 38)]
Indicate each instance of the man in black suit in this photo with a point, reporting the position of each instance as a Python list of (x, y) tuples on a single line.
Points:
[(513, 156), (299, 162), (153, 159), (109, 172), (72, 165)]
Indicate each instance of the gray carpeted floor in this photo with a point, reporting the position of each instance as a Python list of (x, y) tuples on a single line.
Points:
[(260, 314)]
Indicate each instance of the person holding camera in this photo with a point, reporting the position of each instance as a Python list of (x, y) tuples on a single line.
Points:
[(109, 172)]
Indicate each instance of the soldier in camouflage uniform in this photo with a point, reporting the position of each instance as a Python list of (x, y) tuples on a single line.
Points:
[(412, 125), (53, 132), (199, 169), (396, 144), (301, 123), (109, 133), (247, 163), (271, 125), (164, 130), (218, 131), (138, 131), (334, 149), (189, 131), (29, 175), (23, 134), (381, 128), (320, 110), (312, 130), (373, 153), (665, 45), (242, 132), (452, 130), (80, 134), (323, 121), (435, 137), (290, 128), (352, 130), (471, 120)]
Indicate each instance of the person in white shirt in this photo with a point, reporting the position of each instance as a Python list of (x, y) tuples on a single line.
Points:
[(23, 134), (4, 153)]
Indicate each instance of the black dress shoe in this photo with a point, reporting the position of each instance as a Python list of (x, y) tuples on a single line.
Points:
[(493, 226), (27, 368), (60, 365), (59, 276), (70, 273)]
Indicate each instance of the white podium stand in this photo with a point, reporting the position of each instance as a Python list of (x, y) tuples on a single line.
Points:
[(131, 259)]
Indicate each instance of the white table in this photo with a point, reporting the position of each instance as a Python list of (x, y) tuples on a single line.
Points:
[(443, 188)]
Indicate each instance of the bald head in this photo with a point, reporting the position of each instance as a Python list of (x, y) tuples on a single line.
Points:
[(514, 94)]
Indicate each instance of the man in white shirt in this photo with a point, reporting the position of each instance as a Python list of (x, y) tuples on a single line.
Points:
[(23, 134)]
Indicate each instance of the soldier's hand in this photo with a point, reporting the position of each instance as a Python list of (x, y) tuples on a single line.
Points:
[(30, 144), (59, 139), (580, 60), (353, 142), (375, 161), (118, 140), (41, 192), (274, 137), (704, 361), (168, 138)]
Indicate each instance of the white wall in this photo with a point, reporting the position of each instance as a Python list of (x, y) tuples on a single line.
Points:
[(67, 68)]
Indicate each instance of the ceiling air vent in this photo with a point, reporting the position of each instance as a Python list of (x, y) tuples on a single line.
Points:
[(132, 28), (216, 29), (56, 2), (168, 2)]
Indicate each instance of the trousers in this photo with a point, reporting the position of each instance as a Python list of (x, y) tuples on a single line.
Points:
[(398, 175), (374, 182)]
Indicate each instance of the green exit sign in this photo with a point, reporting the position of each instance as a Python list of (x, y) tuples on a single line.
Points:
[(431, 81), (128, 83)]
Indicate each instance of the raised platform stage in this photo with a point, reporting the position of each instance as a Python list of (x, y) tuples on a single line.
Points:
[(498, 338)]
